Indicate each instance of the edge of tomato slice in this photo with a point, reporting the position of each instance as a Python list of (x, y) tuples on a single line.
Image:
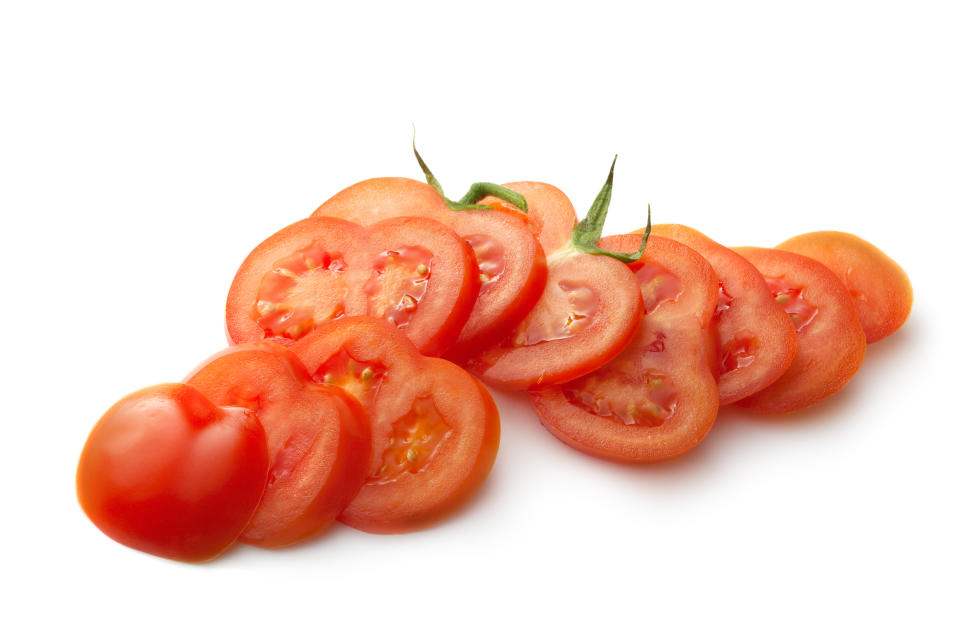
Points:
[(318, 438), (435, 428)]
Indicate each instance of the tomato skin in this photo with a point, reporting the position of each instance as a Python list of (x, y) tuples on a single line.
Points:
[(830, 341), (522, 360), (880, 288), (427, 406), (440, 314), (167, 472), (511, 279), (749, 323), (670, 355), (318, 438)]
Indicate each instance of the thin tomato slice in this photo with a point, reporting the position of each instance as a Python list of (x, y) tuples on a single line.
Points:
[(756, 341), (588, 311), (414, 272), (511, 264), (658, 398), (435, 428), (830, 341), (879, 287), (318, 438)]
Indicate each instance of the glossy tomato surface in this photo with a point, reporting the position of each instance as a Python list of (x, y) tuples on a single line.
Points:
[(880, 288), (318, 438), (511, 264), (435, 428), (756, 341), (414, 272), (168, 472), (588, 312), (830, 340), (658, 397)]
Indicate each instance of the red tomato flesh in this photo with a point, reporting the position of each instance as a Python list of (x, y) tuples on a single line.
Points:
[(414, 272), (511, 265), (588, 312), (830, 340), (318, 438), (880, 288), (168, 472), (658, 398), (435, 428), (756, 341)]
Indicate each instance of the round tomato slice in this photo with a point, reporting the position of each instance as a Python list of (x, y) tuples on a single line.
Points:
[(879, 287), (318, 438), (756, 341), (414, 272), (830, 340), (168, 472), (512, 267), (658, 398), (435, 428), (588, 312)]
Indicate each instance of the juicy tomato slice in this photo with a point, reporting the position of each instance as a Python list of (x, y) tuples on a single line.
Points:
[(879, 287), (414, 272), (589, 310), (658, 398), (756, 341), (511, 264), (318, 438), (168, 472), (830, 341), (435, 428)]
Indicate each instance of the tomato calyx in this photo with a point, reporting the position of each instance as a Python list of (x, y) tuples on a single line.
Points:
[(477, 191), (588, 231)]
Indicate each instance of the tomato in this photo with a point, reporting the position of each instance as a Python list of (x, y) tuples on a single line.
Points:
[(512, 268), (658, 397), (414, 272), (588, 312), (435, 428), (318, 438), (756, 341), (880, 288), (830, 341), (168, 472)]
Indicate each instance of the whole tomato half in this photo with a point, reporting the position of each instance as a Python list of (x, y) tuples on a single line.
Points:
[(168, 472)]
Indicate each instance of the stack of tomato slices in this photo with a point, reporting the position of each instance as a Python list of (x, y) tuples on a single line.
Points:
[(349, 392)]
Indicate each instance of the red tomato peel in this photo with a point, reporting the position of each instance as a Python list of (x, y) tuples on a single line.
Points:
[(167, 472)]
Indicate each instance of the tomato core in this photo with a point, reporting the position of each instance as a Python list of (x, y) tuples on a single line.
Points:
[(399, 281), (491, 260), (737, 353), (657, 285), (580, 302), (362, 380), (414, 440), (289, 302), (646, 398), (790, 297)]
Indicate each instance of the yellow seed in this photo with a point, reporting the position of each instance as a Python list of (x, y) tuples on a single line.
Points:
[(367, 374), (265, 307), (484, 277), (422, 269), (309, 263), (411, 455), (328, 378), (285, 272)]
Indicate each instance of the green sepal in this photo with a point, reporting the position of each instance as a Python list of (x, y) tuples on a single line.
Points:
[(588, 231)]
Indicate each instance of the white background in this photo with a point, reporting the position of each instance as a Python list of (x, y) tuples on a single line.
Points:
[(146, 150)]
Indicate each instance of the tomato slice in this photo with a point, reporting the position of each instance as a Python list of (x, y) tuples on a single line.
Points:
[(168, 472), (318, 438), (756, 341), (658, 398), (512, 267), (879, 287), (830, 341), (588, 312), (435, 428), (414, 272)]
